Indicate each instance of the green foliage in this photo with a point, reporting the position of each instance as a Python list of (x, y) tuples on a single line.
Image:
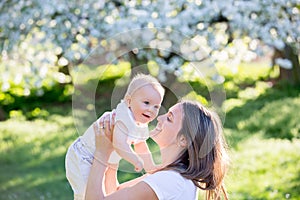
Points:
[(244, 75), (14, 100), (194, 96)]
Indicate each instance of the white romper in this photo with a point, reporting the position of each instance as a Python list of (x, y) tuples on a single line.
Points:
[(79, 157)]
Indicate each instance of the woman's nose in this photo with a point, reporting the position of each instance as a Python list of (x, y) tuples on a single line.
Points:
[(159, 118)]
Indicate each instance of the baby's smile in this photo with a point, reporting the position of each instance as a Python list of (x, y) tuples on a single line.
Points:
[(148, 116)]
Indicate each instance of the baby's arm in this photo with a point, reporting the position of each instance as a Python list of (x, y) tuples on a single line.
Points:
[(124, 149), (143, 151)]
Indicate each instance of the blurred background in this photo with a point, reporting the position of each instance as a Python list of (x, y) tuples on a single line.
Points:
[(63, 63)]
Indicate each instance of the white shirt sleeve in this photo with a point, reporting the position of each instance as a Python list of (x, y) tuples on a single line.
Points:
[(171, 185)]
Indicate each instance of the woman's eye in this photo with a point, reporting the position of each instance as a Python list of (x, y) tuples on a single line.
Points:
[(169, 119)]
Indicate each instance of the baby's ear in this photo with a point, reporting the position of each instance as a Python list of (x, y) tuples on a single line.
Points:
[(127, 99)]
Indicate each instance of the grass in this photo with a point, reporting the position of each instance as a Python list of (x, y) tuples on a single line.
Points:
[(265, 169), (260, 126), (32, 157)]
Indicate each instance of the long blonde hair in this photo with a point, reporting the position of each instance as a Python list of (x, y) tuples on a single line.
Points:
[(205, 159)]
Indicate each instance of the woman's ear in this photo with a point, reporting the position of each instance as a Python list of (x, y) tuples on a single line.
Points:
[(182, 141), (127, 99)]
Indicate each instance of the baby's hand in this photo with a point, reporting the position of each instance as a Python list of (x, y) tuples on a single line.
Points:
[(139, 165)]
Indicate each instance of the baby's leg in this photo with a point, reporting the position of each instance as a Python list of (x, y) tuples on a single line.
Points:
[(78, 164)]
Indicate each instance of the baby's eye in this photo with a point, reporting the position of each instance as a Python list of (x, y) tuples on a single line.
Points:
[(156, 107), (146, 102)]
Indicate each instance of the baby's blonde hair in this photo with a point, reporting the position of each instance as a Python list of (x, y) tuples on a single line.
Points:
[(141, 80)]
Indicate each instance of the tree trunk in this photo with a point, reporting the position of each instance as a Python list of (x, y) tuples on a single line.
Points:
[(137, 66), (3, 116), (293, 57), (290, 75), (170, 98)]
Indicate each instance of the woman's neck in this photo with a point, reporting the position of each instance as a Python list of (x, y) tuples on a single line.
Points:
[(169, 154)]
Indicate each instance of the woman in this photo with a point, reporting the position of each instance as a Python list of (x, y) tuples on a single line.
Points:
[(193, 155)]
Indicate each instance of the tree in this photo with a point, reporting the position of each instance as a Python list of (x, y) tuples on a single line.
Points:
[(171, 32)]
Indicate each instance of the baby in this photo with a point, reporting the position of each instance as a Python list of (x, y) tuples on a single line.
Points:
[(139, 106)]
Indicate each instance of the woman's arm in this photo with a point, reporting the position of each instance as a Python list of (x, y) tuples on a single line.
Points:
[(111, 180), (131, 190), (96, 190)]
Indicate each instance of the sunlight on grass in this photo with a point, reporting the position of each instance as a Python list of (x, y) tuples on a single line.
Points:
[(33, 154), (254, 92), (229, 104), (264, 169), (276, 119)]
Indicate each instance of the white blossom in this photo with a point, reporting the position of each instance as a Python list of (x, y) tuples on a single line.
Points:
[(284, 63), (77, 27)]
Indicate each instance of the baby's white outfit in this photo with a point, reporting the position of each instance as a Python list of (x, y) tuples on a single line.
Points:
[(79, 157)]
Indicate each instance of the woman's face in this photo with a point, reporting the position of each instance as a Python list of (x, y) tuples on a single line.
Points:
[(168, 126)]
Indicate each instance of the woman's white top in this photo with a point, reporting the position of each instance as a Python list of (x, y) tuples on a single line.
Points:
[(169, 185)]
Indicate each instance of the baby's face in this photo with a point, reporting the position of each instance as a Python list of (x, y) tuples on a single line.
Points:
[(144, 103)]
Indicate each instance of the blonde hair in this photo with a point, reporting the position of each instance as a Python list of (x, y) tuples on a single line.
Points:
[(205, 160), (141, 80)]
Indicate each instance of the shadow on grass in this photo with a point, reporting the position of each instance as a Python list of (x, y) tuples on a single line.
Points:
[(34, 178), (32, 157), (272, 114), (42, 181)]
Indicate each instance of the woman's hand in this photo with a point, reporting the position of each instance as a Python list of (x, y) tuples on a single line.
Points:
[(103, 136), (107, 121)]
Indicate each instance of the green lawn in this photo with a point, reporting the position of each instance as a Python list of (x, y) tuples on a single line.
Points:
[(32, 157), (261, 126)]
